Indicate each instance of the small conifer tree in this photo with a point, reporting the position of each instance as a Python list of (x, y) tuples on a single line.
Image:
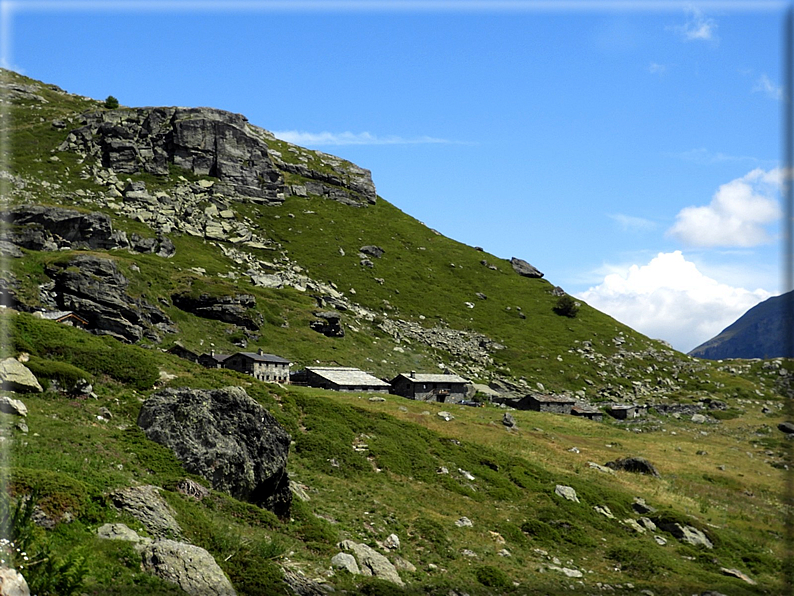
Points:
[(111, 103)]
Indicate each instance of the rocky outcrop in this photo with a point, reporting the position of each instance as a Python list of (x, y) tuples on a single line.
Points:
[(210, 142), (37, 227), (230, 309), (328, 323), (226, 437), (15, 376), (521, 267), (191, 567), (94, 288)]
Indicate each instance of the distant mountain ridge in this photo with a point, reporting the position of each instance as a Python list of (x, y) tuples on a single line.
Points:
[(758, 333)]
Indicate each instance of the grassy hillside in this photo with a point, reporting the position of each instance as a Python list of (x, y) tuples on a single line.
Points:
[(370, 468)]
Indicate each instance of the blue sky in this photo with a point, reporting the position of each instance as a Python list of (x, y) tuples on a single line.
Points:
[(628, 153)]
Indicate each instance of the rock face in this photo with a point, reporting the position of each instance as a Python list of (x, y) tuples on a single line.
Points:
[(145, 504), (688, 534), (226, 437), (190, 567), (15, 376), (230, 309), (328, 323), (210, 142), (95, 289), (55, 228), (521, 267)]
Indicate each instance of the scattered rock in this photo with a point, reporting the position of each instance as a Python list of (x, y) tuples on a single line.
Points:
[(600, 468), (13, 406), (640, 506), (445, 416), (786, 427), (145, 504), (190, 567), (121, 532), (660, 540), (688, 534), (328, 323), (604, 510), (12, 583), (226, 437), (371, 562), (508, 420), (191, 488), (15, 376), (373, 251), (464, 522), (345, 561), (392, 542), (698, 418), (737, 574), (566, 492)]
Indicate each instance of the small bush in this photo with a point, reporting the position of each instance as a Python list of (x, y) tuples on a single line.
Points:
[(493, 577), (111, 103), (566, 306)]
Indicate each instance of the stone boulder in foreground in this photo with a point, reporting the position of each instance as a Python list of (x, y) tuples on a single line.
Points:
[(226, 437)]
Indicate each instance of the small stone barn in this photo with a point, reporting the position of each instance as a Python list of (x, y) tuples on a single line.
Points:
[(343, 379), (557, 404), (264, 367), (449, 388), (212, 360), (626, 412), (587, 412), (179, 350)]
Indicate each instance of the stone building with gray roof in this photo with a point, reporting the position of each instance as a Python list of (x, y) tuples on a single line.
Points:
[(262, 366), (341, 378), (444, 388)]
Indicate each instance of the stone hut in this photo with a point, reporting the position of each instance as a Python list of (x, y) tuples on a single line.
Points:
[(343, 379), (445, 388), (587, 412), (179, 350), (65, 317), (626, 412), (557, 404), (212, 360), (264, 367)]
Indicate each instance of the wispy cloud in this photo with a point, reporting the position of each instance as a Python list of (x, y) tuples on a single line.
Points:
[(702, 155), (698, 27), (737, 215), (655, 68), (350, 138), (765, 85), (629, 223)]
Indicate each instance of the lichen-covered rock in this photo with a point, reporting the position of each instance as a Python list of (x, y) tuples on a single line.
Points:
[(636, 465), (230, 309), (190, 567), (145, 504), (12, 583), (226, 437)]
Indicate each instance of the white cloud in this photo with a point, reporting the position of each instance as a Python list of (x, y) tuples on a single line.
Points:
[(349, 138), (702, 155), (629, 223), (697, 27), (765, 85), (670, 299), (737, 214), (655, 68)]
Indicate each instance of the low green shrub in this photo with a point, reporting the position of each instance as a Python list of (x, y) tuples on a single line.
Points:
[(492, 577)]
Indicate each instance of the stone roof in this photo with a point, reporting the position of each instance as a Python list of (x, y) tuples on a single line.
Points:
[(347, 376), (432, 378), (553, 399), (56, 315), (264, 357), (216, 357)]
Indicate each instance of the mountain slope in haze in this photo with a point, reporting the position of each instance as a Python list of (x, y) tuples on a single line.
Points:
[(166, 225), (758, 333)]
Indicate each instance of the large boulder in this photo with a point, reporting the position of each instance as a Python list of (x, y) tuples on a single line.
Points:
[(15, 376), (521, 267), (190, 567), (371, 562), (226, 437), (12, 583)]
